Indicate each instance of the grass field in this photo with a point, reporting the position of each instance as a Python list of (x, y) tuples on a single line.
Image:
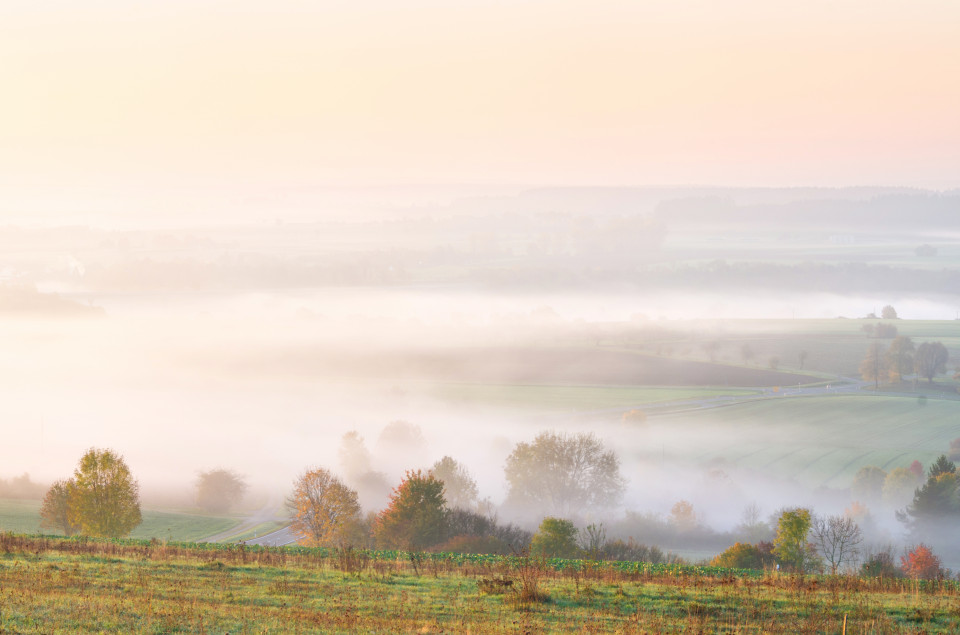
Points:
[(813, 440), (24, 516), (569, 398), (53, 586)]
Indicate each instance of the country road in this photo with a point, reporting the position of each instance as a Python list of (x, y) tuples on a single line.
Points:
[(273, 510)]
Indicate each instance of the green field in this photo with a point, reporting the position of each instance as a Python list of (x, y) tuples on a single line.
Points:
[(24, 516), (57, 586), (569, 398), (812, 440)]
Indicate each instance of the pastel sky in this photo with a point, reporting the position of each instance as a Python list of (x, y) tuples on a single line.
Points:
[(133, 97)]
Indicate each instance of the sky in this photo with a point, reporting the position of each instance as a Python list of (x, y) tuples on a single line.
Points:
[(116, 103)]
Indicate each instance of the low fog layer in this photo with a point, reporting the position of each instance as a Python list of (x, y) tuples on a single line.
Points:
[(258, 346)]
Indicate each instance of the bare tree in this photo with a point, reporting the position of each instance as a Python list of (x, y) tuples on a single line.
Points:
[(838, 538)]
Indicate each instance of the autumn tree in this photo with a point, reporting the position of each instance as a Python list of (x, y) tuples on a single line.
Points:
[(837, 538), (931, 359), (791, 545), (682, 516), (324, 510), (868, 484), (899, 486), (459, 488), (218, 490), (105, 498), (562, 474), (55, 508), (874, 365), (555, 538), (900, 357), (920, 562), (416, 516)]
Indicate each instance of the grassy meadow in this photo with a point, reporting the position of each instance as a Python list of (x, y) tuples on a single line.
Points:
[(23, 516), (815, 440), (62, 586)]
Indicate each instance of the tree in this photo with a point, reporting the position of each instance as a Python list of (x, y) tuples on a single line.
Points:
[(105, 499), (55, 509), (218, 490), (459, 488), (325, 511), (942, 465), (563, 474), (555, 538), (938, 499), (900, 357), (880, 564), (874, 365), (916, 468), (791, 545), (802, 355), (898, 487), (930, 360), (920, 562), (416, 516), (838, 539), (751, 527), (682, 516), (868, 484), (888, 313), (773, 362), (746, 352), (372, 487)]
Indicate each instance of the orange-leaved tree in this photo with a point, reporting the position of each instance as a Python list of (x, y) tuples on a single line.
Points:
[(324, 510), (921, 563), (416, 517)]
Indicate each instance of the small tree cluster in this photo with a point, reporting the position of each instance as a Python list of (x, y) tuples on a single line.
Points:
[(927, 360)]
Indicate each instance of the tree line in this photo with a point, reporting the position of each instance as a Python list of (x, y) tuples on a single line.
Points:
[(902, 357)]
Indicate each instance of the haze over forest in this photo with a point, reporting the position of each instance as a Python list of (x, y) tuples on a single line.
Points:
[(231, 235)]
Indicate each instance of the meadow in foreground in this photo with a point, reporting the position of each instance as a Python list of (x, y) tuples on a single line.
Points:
[(51, 585)]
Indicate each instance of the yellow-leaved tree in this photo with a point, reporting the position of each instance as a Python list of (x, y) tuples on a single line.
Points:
[(324, 510), (104, 499)]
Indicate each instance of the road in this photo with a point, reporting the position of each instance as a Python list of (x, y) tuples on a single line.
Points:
[(273, 510)]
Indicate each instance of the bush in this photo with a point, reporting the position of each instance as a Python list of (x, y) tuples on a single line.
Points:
[(880, 564), (461, 522), (475, 544), (555, 538), (630, 551), (746, 556)]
